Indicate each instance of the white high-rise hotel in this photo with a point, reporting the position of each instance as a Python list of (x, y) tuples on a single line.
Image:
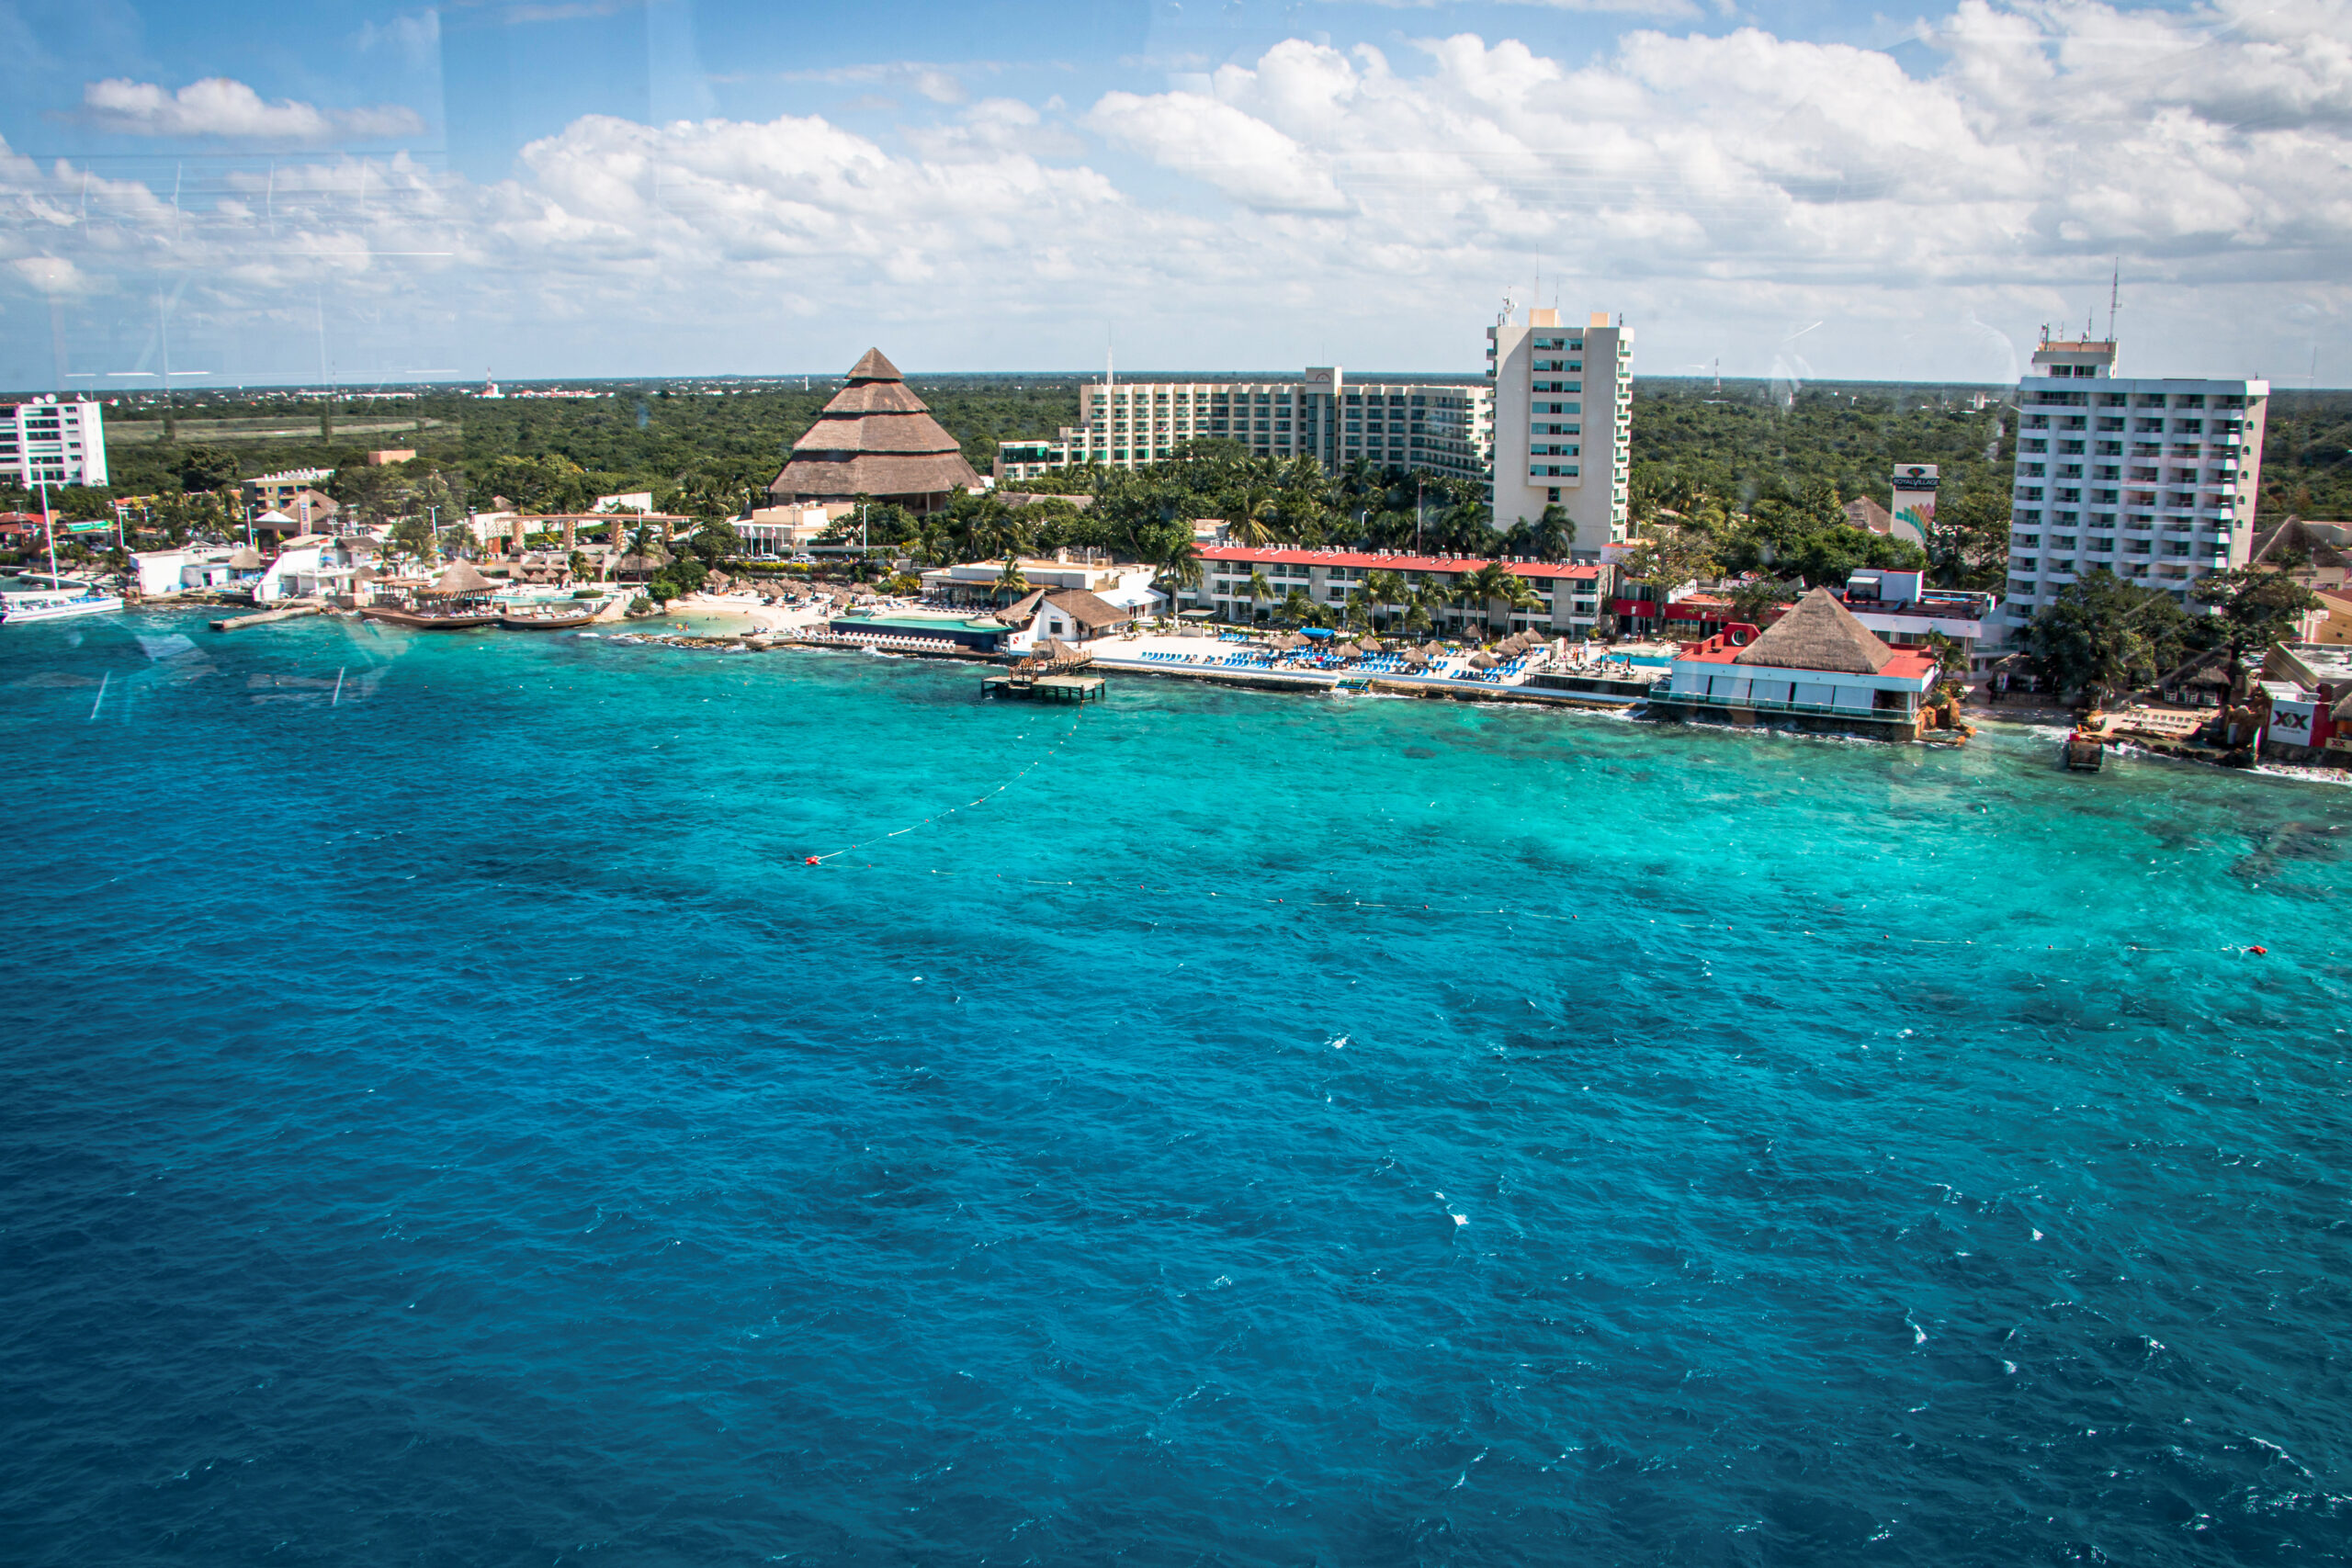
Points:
[(49, 441), (1564, 425), (2152, 479)]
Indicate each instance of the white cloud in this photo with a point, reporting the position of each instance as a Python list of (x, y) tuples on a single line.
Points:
[(220, 108), (1248, 160), (1723, 190), (415, 37)]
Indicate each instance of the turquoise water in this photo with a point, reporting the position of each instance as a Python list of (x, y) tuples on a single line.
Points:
[(450, 1123)]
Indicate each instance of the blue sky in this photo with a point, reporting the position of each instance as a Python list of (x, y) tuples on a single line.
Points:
[(551, 188)]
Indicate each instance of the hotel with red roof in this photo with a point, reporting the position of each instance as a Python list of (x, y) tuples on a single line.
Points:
[(1573, 594)]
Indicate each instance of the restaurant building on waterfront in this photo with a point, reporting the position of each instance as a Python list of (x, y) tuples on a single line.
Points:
[(1816, 668)]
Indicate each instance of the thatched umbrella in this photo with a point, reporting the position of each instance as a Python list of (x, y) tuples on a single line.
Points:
[(1432, 650), (246, 558), (1482, 661), (1347, 650), (1415, 660)]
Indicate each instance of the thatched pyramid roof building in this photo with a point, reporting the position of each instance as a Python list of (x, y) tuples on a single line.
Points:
[(1818, 633), (876, 438)]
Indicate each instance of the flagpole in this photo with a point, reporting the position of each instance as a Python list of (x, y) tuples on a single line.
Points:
[(49, 527)]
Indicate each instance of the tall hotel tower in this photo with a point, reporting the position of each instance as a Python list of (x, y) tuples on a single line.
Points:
[(2151, 479), (1564, 423)]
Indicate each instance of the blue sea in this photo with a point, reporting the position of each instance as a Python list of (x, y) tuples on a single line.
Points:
[(445, 1120)]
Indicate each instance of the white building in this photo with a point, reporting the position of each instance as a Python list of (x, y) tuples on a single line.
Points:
[(771, 533), (313, 566), (48, 442), (2152, 479), (1123, 587), (1443, 428), (1564, 423)]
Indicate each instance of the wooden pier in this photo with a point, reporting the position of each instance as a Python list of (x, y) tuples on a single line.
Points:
[(288, 613), (1044, 688)]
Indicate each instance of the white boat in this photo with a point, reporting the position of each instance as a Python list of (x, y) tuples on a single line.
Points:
[(15, 607)]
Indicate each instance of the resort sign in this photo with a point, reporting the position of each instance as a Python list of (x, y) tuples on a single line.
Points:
[(89, 528), (1915, 495)]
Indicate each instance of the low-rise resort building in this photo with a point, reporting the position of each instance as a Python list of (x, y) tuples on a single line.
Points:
[(1246, 583), (1440, 427)]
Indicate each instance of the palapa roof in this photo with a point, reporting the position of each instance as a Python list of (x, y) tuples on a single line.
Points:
[(2292, 537), (246, 559), (1088, 610), (461, 577), (2210, 668), (875, 437), (1022, 608), (1868, 515), (1818, 633)]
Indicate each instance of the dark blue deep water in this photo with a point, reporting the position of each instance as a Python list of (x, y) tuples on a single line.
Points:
[(451, 1124)]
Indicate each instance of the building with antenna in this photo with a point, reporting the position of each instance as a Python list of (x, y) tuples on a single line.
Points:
[(49, 441), (1564, 423), (2153, 480)]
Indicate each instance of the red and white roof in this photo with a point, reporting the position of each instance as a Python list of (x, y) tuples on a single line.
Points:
[(1373, 560)]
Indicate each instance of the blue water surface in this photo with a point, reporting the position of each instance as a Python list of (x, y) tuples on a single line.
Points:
[(444, 1119)]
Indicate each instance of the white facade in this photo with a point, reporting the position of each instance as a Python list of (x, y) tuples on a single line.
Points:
[(49, 441), (1564, 425), (2153, 480), (311, 567), (770, 533), (1444, 428)]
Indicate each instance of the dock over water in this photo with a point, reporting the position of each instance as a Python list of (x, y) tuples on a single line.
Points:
[(1044, 688)]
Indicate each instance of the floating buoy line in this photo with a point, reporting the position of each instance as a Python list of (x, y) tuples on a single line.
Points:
[(1043, 758)]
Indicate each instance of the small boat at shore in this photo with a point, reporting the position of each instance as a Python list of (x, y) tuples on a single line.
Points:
[(56, 606), (430, 620), (563, 620), (2083, 752)]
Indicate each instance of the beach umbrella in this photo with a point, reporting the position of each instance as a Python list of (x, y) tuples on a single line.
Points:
[(1347, 650), (1482, 661), (1432, 649), (1415, 660)]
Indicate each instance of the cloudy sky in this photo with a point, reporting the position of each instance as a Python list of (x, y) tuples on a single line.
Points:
[(602, 187)]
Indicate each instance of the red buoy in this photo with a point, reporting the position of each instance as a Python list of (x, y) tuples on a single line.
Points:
[(812, 860), (2259, 952)]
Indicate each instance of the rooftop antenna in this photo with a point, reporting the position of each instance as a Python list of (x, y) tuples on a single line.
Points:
[(2114, 297)]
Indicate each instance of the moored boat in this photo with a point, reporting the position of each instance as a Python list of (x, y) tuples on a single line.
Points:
[(56, 606), (564, 619), (430, 620)]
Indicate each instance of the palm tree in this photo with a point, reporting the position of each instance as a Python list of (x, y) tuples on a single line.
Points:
[(1249, 520), (1260, 593), (1383, 587), (1010, 582), (1495, 583), (1180, 565)]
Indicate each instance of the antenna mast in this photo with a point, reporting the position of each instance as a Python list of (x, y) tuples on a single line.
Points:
[(2114, 295)]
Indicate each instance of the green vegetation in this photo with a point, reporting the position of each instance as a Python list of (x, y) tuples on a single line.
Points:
[(2307, 457), (2102, 636)]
